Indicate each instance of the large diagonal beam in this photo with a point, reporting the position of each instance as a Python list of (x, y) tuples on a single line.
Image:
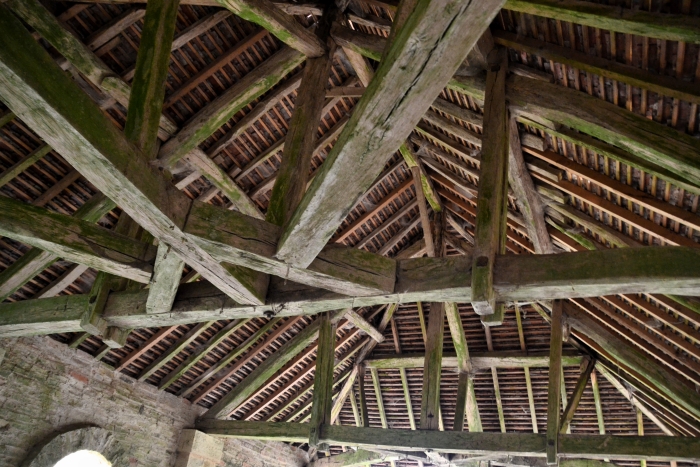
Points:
[(64, 116), (652, 147), (657, 145), (635, 362), (79, 55), (406, 83), (36, 260), (77, 241)]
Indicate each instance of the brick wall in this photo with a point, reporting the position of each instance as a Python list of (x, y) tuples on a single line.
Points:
[(46, 387)]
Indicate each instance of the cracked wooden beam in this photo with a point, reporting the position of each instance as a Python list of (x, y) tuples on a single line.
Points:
[(405, 84)]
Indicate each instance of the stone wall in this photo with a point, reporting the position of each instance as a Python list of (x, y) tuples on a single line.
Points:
[(46, 387), (252, 453)]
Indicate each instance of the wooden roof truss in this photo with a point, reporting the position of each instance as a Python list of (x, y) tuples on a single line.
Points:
[(509, 141)]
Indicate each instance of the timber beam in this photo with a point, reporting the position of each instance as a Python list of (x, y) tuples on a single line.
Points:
[(516, 278), (404, 86), (658, 448), (620, 134)]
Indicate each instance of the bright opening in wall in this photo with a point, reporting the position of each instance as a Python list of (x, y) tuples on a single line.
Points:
[(84, 458)]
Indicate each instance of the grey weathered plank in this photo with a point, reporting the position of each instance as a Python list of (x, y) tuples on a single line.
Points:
[(61, 282), (526, 195), (323, 380), (661, 448), (238, 239), (493, 181), (219, 111), (406, 83), (608, 17), (59, 111), (167, 272), (280, 24), (148, 88), (554, 387), (292, 176), (572, 405), (517, 278), (36, 260), (77, 241)]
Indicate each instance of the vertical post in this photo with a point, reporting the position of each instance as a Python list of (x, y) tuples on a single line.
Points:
[(323, 381), (640, 431), (430, 396), (430, 416), (361, 370), (554, 397), (148, 89), (493, 178), (528, 380)]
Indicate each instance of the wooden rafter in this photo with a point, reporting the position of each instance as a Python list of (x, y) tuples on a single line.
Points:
[(402, 89)]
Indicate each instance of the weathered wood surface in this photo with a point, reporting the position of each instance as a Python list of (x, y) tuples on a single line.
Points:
[(237, 239), (289, 432), (661, 448), (323, 380), (517, 278), (572, 405), (554, 387), (267, 369), (59, 111), (526, 195), (240, 201), (36, 260), (280, 24), (635, 362), (76, 240), (638, 77), (79, 55), (611, 18), (478, 360), (493, 181), (407, 81), (220, 110), (293, 174), (432, 368), (657, 145), (46, 316), (164, 281), (148, 87), (466, 398), (362, 324)]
